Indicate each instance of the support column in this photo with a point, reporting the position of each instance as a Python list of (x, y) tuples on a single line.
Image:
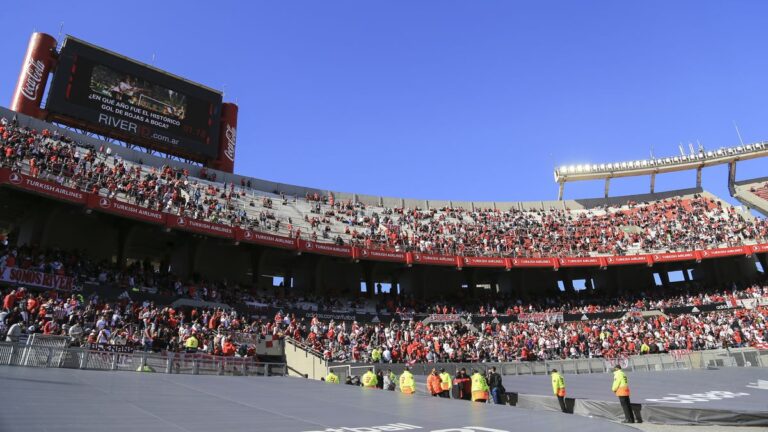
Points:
[(255, 265), (698, 177), (367, 270), (731, 172), (607, 186), (560, 191), (653, 183)]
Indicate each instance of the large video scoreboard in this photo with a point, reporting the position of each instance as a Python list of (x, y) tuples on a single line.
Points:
[(124, 99)]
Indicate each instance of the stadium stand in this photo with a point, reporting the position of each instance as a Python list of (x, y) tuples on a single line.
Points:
[(753, 193), (681, 223)]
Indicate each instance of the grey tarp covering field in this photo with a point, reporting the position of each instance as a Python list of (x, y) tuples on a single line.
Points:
[(724, 396), (75, 400)]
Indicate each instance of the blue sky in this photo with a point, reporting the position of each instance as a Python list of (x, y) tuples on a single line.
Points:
[(447, 99)]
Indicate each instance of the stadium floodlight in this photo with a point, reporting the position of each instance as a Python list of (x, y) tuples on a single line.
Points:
[(710, 154), (720, 152), (739, 149), (602, 167)]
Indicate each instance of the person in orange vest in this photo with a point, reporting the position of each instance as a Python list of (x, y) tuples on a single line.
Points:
[(621, 388), (433, 384)]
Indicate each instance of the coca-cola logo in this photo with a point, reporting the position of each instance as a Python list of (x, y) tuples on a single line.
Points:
[(104, 202), (230, 134), (15, 178), (33, 77)]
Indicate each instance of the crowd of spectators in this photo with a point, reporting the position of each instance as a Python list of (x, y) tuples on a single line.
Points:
[(414, 341), (93, 322), (681, 223)]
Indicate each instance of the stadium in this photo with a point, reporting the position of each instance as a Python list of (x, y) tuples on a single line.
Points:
[(145, 280)]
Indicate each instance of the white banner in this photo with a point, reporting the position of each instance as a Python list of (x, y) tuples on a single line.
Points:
[(17, 276)]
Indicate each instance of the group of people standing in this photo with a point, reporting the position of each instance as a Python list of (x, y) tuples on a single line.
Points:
[(477, 387)]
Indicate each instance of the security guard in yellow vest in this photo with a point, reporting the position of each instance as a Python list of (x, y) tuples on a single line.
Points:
[(191, 344), (407, 383), (621, 388), (369, 379), (479, 387), (558, 388), (445, 384), (332, 378)]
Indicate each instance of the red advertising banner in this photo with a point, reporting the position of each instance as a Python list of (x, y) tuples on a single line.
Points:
[(428, 259), (378, 255), (759, 248), (534, 262), (260, 238), (675, 256), (484, 261), (113, 206), (325, 248), (41, 187), (15, 275), (629, 259), (580, 262), (723, 252), (198, 226)]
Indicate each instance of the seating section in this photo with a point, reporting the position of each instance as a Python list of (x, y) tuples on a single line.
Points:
[(687, 222)]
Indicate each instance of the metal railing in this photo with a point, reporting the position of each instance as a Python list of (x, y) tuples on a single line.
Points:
[(168, 362), (735, 357)]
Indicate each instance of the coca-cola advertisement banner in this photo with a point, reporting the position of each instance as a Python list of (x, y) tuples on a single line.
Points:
[(377, 255), (26, 277), (428, 259), (113, 206), (202, 227), (325, 248), (484, 261), (261, 238), (41, 187)]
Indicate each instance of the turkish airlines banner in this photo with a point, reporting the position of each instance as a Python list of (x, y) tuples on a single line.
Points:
[(113, 206), (534, 262), (444, 260), (260, 238), (484, 262), (41, 187), (581, 262), (15, 275), (723, 252), (325, 248), (676, 256), (198, 226), (628, 259), (377, 255), (759, 248)]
